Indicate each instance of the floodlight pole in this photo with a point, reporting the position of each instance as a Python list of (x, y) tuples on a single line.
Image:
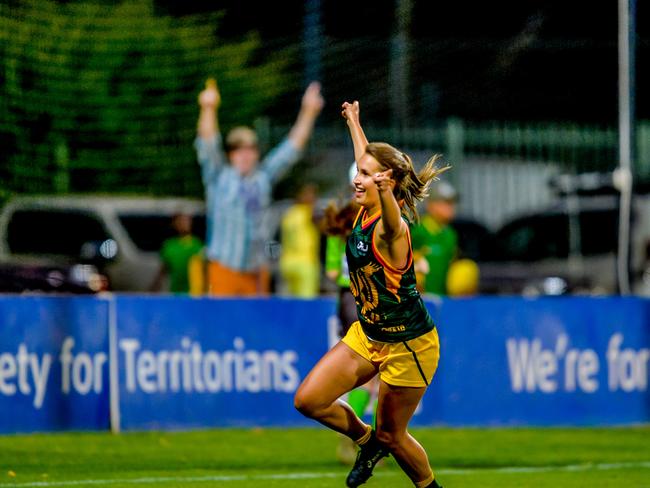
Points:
[(312, 41), (626, 141), (399, 68)]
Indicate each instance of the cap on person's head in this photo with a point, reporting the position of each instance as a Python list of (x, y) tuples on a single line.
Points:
[(442, 190), (241, 137)]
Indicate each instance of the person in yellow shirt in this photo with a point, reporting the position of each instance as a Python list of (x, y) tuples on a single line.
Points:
[(300, 238)]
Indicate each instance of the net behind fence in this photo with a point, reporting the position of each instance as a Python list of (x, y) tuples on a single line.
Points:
[(101, 98)]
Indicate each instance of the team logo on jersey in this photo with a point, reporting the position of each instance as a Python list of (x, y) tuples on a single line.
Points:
[(359, 245), (365, 291)]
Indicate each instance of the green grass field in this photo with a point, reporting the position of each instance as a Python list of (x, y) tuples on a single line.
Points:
[(238, 458)]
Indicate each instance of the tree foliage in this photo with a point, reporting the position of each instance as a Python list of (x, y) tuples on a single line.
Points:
[(102, 96)]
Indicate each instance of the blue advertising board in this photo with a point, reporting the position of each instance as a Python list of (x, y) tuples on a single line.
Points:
[(53, 364), (187, 362), (545, 361), (178, 362)]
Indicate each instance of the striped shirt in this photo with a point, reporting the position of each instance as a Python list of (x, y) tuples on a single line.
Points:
[(236, 204)]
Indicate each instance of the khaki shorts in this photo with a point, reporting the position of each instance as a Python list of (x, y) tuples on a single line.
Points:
[(223, 281), (410, 363)]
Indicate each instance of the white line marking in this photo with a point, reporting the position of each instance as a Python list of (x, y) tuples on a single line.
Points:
[(178, 479), (316, 475), (548, 469)]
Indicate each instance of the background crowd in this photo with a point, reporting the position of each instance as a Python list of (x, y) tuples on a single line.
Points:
[(102, 108), (238, 182)]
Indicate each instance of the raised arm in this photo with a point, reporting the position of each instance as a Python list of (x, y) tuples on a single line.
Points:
[(209, 101), (208, 145), (278, 160), (311, 106), (392, 226), (391, 229), (350, 112)]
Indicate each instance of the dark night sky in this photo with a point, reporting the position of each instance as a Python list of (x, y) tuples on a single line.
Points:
[(518, 60)]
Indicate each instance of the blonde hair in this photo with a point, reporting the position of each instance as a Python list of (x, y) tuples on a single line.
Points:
[(410, 187), (240, 136)]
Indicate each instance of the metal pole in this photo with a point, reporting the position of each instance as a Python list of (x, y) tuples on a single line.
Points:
[(312, 43), (576, 261), (623, 174), (399, 64)]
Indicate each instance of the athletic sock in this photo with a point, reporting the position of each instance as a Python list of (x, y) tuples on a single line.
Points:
[(427, 482), (433, 484), (365, 437), (358, 399)]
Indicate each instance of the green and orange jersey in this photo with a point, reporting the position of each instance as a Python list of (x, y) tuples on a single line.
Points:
[(389, 305)]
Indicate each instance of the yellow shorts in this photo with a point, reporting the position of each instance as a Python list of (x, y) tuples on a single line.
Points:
[(411, 363)]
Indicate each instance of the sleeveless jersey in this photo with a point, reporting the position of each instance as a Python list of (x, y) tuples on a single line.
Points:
[(389, 305)]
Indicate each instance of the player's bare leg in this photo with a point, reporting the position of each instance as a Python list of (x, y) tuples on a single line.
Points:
[(395, 408), (318, 397), (358, 399)]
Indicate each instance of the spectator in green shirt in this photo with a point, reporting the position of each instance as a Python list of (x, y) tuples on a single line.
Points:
[(435, 240), (176, 254)]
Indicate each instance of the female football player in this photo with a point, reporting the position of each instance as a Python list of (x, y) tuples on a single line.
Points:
[(394, 336)]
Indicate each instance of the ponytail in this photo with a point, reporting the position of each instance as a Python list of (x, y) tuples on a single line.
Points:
[(410, 187)]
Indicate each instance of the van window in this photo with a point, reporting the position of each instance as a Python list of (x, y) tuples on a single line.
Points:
[(534, 238), (475, 241), (59, 232), (599, 232), (148, 232)]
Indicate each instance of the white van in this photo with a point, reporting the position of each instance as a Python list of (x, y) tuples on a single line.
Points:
[(121, 236)]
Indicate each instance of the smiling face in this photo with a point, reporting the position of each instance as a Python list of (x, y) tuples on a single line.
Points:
[(244, 158), (243, 150), (365, 189)]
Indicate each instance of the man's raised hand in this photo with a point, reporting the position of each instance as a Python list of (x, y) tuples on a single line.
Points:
[(210, 96), (312, 100)]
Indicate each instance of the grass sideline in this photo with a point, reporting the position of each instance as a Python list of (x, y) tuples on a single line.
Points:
[(512, 457)]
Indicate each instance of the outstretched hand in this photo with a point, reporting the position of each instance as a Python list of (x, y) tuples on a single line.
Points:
[(350, 111), (312, 100), (210, 96), (384, 180)]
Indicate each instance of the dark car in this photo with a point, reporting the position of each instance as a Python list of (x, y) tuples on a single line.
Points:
[(475, 241), (77, 279), (566, 248)]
